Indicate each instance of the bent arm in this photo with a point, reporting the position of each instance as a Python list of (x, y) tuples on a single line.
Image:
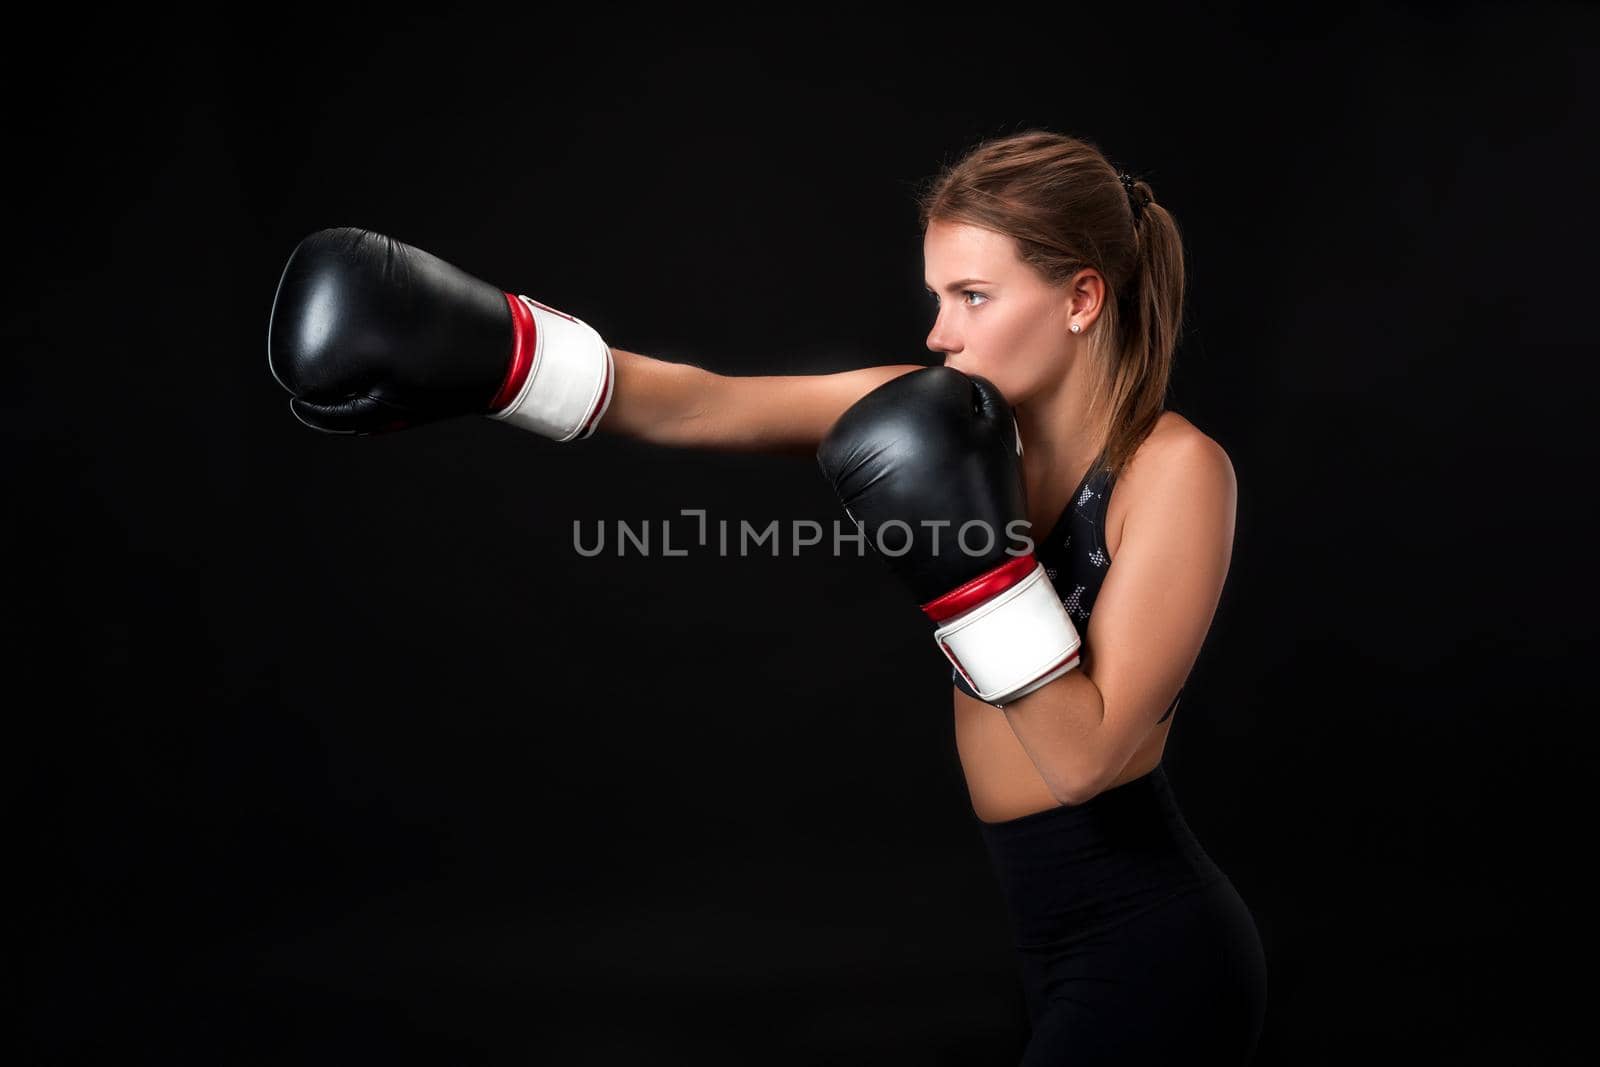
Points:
[(684, 406), (1150, 621)]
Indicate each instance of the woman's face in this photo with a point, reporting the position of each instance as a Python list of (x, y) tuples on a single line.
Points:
[(996, 317)]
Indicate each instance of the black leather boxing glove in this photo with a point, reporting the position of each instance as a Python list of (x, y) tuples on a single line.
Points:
[(371, 335), (929, 460)]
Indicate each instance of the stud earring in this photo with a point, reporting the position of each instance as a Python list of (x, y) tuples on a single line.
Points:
[(1076, 327)]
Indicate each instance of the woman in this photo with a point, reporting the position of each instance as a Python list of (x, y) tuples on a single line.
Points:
[(1135, 948), (1059, 283)]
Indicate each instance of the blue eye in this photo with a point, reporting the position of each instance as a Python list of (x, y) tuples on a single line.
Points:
[(964, 293)]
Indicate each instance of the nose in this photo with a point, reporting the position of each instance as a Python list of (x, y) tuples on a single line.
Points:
[(942, 340)]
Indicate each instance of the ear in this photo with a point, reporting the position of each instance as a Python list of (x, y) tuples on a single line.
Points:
[(1086, 295)]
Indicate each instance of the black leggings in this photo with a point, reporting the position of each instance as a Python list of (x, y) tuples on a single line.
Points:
[(1135, 947)]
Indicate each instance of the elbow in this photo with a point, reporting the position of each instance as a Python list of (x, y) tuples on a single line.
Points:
[(1077, 790), (1072, 797)]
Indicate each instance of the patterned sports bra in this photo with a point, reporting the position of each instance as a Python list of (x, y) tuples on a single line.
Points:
[(1075, 558)]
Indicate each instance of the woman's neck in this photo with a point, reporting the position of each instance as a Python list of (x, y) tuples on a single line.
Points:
[(1057, 442)]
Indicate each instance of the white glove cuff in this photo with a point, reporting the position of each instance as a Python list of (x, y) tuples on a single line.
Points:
[(1013, 643), (569, 386)]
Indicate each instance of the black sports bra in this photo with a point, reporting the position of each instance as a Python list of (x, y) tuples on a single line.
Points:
[(1075, 558)]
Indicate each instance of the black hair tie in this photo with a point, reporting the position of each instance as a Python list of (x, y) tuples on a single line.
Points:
[(1135, 201)]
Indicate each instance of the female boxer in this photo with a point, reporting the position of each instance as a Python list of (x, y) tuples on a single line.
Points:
[(1058, 288)]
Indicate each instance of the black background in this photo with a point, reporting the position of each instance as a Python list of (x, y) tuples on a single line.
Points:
[(333, 750)]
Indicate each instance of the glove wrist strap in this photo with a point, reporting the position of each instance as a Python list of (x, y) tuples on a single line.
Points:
[(1013, 642), (561, 377)]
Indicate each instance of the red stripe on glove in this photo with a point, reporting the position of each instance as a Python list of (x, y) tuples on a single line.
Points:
[(984, 587)]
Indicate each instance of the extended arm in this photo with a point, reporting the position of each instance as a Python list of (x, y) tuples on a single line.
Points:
[(681, 405), (372, 335)]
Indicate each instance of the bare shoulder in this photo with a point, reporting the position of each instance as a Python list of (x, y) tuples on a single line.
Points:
[(1177, 467), (1177, 450)]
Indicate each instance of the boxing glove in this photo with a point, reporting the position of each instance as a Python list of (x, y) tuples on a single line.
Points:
[(927, 466), (370, 335)]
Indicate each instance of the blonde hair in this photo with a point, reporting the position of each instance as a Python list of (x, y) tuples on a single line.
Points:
[(1067, 208)]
